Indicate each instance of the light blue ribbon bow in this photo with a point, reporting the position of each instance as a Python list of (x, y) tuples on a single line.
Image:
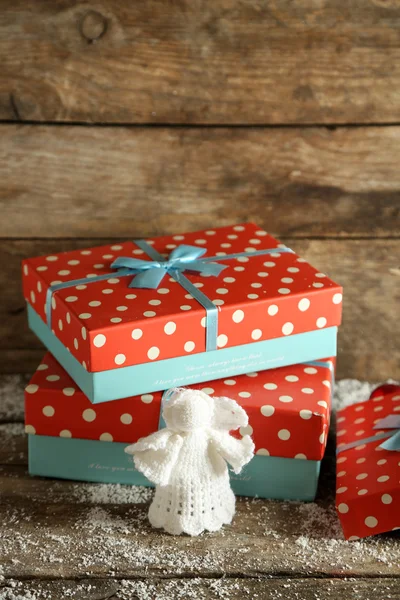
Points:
[(392, 438), (149, 274)]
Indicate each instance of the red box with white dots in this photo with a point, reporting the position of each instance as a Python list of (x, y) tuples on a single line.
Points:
[(367, 474), (289, 408)]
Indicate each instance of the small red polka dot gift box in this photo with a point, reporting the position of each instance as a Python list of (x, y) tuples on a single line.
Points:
[(143, 315), (368, 465), (288, 408)]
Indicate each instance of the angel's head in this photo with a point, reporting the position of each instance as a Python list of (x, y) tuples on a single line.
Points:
[(186, 410)]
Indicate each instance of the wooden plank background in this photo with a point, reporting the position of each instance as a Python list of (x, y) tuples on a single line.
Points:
[(206, 114)]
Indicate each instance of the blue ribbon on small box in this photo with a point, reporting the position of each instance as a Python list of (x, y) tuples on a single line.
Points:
[(391, 437), (149, 274)]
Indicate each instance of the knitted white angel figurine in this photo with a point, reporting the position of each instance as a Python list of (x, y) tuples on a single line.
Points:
[(186, 462)]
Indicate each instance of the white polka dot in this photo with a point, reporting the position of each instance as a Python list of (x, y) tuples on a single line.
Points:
[(163, 291), (244, 394), (81, 287), (146, 398), (318, 285), (322, 403), (383, 478), (95, 303), (269, 264), (48, 411), (39, 286), (359, 461), (310, 370), (178, 238), (301, 456), (73, 262), (242, 259), (203, 321), (113, 280), (69, 391), (85, 316), (341, 473), (387, 499), (154, 302), (252, 296), (170, 246), (208, 390), (305, 414), (116, 247), (226, 245), (53, 377), (68, 318), (32, 388), (270, 386), (322, 440), (341, 490), (60, 324), (153, 353), (382, 461), (371, 522), (130, 296), (292, 270), (42, 367), (126, 419), (341, 432), (362, 492), (284, 434), (76, 344), (267, 410), (84, 365), (337, 298), (65, 433), (361, 476), (41, 268), (321, 322), (185, 307), (33, 297), (261, 233), (343, 508), (120, 359), (51, 258), (287, 328), (222, 340), (200, 241), (291, 378), (122, 308), (252, 374), (262, 452), (238, 228), (304, 304), (106, 437), (247, 430), (285, 398), (84, 333), (283, 291), (137, 334), (218, 302), (64, 272), (307, 390), (229, 279), (53, 303), (238, 316), (170, 328), (327, 384), (89, 415), (71, 299), (238, 269), (189, 346), (149, 313), (287, 280), (256, 334), (272, 310), (256, 285), (99, 340), (230, 382)]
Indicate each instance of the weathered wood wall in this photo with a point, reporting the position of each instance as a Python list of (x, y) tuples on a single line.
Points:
[(206, 113)]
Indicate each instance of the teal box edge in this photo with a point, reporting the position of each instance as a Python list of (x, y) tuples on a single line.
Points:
[(134, 380), (106, 462)]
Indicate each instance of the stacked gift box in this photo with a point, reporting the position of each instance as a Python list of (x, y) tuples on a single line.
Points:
[(230, 311)]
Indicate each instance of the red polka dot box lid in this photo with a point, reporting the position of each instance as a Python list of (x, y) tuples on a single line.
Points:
[(288, 408), (106, 324), (368, 466)]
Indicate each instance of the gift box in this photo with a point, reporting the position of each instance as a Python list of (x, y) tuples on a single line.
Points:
[(288, 409), (368, 466), (140, 316)]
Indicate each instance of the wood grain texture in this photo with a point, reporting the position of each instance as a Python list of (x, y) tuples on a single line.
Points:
[(199, 62), (197, 588), (368, 270), (124, 182)]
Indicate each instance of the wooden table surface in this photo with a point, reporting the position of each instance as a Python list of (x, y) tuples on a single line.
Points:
[(62, 539)]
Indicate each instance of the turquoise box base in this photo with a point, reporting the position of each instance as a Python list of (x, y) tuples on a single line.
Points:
[(185, 370), (106, 462)]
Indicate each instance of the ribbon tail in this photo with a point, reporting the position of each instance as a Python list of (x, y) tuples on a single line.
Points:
[(149, 279), (392, 443), (206, 269)]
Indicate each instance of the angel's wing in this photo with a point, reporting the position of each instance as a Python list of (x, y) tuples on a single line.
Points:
[(156, 455), (236, 452)]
